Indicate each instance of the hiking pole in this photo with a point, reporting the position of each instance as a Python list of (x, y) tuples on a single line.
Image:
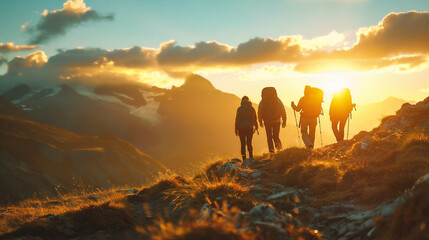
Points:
[(320, 128), (348, 123), (297, 128)]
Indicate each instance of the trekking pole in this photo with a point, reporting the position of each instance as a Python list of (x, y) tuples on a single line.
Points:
[(297, 128), (348, 125), (320, 128)]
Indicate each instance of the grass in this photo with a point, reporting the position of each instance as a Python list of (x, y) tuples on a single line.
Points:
[(170, 207), (15, 216)]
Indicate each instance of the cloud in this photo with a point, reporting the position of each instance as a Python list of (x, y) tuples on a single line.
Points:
[(214, 54), (424, 90), (397, 43), (6, 48), (32, 60), (10, 47), (400, 39), (89, 66), (57, 22)]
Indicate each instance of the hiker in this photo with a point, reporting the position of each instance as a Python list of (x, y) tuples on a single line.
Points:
[(271, 112), (245, 126), (310, 106), (339, 111)]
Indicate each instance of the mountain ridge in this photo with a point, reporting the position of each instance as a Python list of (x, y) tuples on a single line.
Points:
[(363, 188)]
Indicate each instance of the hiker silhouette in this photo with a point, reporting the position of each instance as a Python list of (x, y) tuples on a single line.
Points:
[(271, 112), (339, 111), (245, 126), (310, 106)]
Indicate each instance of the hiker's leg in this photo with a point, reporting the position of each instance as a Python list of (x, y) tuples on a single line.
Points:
[(249, 143), (276, 137), (335, 128), (269, 130), (312, 130), (304, 132), (242, 135), (342, 126)]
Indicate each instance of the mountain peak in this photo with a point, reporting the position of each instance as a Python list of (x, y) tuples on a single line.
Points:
[(195, 82)]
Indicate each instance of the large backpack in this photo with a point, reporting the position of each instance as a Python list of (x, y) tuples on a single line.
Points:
[(313, 104), (341, 104), (244, 116), (271, 105)]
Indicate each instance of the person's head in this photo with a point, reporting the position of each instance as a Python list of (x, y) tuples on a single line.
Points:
[(307, 90), (245, 98)]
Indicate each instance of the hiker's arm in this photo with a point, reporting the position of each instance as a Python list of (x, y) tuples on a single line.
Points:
[(254, 119), (299, 107), (283, 113), (260, 114)]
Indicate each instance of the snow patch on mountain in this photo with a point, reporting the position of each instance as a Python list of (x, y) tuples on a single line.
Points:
[(149, 112)]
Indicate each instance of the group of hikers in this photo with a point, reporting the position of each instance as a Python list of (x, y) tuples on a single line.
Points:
[(272, 114)]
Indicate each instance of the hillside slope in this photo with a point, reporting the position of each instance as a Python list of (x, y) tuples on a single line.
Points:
[(38, 158), (374, 186)]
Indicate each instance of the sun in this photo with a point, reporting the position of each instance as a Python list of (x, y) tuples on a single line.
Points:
[(331, 84)]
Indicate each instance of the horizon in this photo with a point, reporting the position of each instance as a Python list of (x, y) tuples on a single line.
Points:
[(361, 44)]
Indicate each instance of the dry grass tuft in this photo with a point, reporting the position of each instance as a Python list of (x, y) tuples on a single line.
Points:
[(195, 194), (15, 216)]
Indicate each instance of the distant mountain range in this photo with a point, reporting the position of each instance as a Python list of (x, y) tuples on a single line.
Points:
[(168, 123), (180, 127), (36, 158)]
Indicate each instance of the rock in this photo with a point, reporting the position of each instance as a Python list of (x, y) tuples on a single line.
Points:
[(93, 197), (205, 212), (243, 174), (226, 168), (235, 160), (255, 174), (277, 195), (364, 146), (424, 179), (273, 229), (278, 188), (293, 194), (264, 213), (257, 188), (132, 191), (247, 161)]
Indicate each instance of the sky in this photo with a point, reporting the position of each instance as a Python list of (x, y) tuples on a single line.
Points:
[(377, 48)]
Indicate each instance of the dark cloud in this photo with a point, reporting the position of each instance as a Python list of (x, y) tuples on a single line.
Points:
[(57, 22), (214, 54), (135, 57)]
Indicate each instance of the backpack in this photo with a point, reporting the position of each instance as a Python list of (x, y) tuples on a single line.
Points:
[(271, 107), (341, 104), (313, 103), (244, 117)]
